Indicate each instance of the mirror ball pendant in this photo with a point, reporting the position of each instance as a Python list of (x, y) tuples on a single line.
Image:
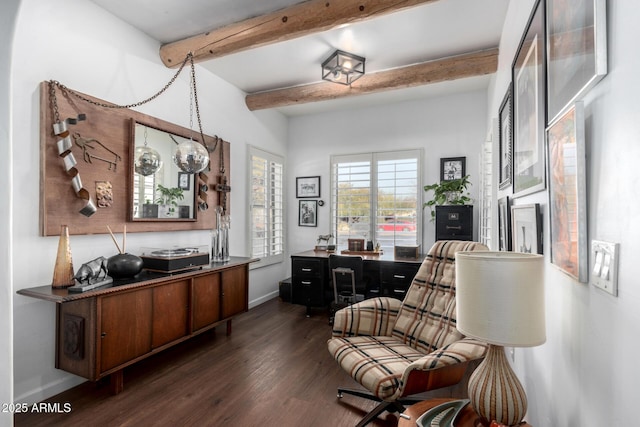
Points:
[(147, 161), (191, 156)]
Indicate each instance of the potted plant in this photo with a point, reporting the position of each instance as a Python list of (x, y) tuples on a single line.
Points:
[(451, 192), (168, 201)]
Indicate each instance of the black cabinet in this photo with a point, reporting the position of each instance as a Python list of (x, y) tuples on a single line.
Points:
[(454, 222), (309, 281)]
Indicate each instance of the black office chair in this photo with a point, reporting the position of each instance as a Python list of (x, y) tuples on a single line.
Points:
[(347, 281)]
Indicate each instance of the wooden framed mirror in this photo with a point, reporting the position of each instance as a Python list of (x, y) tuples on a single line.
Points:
[(165, 194)]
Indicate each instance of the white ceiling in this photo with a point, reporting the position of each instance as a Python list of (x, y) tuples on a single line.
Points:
[(431, 31)]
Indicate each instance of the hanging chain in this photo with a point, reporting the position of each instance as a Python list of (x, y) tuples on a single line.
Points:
[(54, 102), (194, 93), (66, 90)]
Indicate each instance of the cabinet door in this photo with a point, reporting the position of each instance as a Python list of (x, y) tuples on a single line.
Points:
[(170, 312), (125, 327), (234, 292), (206, 300)]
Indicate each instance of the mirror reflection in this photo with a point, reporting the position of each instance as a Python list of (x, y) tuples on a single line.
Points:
[(160, 190)]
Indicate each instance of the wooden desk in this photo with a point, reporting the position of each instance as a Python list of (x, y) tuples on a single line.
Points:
[(466, 418), (310, 276)]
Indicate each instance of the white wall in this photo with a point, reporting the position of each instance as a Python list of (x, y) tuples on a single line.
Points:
[(87, 49), (586, 374), (449, 126), (8, 11)]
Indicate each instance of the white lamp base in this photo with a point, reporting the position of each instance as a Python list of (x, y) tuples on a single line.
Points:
[(494, 390)]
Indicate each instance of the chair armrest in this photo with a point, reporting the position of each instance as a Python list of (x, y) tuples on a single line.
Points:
[(373, 317), (442, 367)]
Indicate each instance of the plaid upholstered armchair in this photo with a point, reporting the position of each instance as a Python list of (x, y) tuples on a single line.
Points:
[(396, 349)]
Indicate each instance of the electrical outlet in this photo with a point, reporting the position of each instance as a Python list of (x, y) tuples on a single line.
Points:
[(604, 266)]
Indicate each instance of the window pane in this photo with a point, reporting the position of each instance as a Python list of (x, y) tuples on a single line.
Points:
[(352, 201), (376, 196), (397, 199), (267, 205)]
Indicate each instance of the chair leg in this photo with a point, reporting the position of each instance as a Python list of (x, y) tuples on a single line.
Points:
[(360, 393), (373, 414), (395, 406)]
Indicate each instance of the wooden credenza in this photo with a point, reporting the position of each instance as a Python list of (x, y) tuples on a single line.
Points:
[(100, 332)]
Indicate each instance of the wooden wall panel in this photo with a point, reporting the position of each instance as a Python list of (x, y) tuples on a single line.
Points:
[(59, 204)]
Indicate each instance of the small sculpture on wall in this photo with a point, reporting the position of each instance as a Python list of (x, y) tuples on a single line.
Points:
[(104, 194), (85, 143)]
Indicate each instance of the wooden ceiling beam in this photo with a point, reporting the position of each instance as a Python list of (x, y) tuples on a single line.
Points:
[(451, 68), (296, 21)]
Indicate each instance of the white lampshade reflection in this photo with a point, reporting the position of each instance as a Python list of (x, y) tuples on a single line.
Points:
[(191, 156), (147, 161)]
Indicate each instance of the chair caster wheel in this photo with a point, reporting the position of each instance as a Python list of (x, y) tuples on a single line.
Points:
[(339, 396)]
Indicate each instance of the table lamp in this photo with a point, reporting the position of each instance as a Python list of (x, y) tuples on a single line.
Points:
[(500, 300)]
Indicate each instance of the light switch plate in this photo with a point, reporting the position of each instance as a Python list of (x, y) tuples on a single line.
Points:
[(603, 266)]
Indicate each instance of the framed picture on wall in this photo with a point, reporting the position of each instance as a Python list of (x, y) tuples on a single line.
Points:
[(529, 112), (504, 224), (307, 186), (452, 168), (567, 193), (526, 229), (577, 54), (308, 213), (506, 139)]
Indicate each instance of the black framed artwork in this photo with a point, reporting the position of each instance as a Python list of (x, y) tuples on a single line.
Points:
[(526, 229), (307, 186), (529, 112), (452, 168), (505, 132), (504, 224), (308, 213)]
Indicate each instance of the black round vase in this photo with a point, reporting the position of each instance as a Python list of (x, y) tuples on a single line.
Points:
[(124, 265)]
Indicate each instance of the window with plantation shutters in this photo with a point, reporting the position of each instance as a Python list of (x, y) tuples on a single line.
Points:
[(266, 206), (377, 197)]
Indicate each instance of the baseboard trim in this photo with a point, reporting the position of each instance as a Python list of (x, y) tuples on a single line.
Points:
[(49, 390)]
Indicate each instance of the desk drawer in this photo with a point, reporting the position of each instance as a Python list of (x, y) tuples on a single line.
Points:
[(306, 268), (396, 278), (307, 291)]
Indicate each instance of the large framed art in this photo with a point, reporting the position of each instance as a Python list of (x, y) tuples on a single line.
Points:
[(567, 193), (529, 112), (577, 50)]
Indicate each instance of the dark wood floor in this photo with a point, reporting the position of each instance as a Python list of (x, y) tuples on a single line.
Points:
[(274, 370)]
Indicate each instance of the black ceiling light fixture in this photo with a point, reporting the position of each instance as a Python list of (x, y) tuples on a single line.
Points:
[(343, 67)]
